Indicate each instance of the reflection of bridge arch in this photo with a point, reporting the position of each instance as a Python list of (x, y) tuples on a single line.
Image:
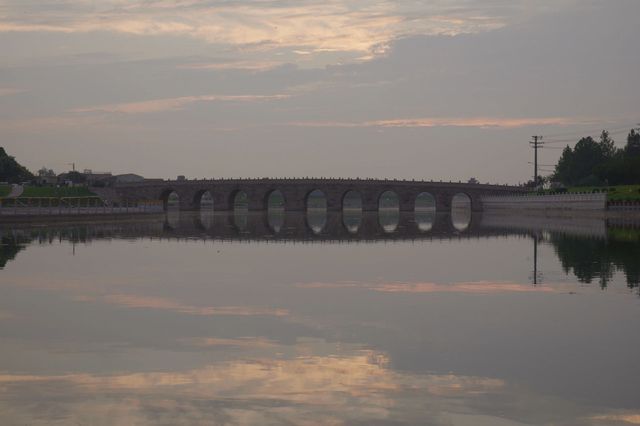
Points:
[(352, 221), (316, 220)]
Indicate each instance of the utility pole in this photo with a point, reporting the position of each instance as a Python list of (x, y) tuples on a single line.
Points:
[(73, 165), (536, 144)]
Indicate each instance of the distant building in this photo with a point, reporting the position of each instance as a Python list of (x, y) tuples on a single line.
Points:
[(96, 178), (46, 177), (47, 180), (128, 178), (85, 178)]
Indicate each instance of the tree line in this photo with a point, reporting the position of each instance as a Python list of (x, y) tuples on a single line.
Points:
[(596, 163)]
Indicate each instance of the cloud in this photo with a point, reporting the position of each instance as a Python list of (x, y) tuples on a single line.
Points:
[(480, 122), (8, 91), (242, 342), (311, 26), (232, 65), (173, 104), (633, 418)]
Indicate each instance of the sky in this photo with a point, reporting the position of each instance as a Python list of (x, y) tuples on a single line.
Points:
[(440, 89)]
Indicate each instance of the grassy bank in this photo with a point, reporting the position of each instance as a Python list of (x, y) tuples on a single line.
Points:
[(52, 192)]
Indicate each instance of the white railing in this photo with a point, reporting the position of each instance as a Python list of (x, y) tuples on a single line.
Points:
[(570, 201)]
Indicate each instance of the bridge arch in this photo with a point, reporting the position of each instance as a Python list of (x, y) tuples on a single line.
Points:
[(425, 201), (274, 199), (316, 199), (461, 200), (388, 200), (203, 200), (238, 200), (169, 198), (352, 200)]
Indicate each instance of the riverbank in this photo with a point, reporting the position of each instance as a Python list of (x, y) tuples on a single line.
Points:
[(85, 219)]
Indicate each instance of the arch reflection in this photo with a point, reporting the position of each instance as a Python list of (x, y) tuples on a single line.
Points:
[(205, 219), (389, 219), (172, 219), (425, 211), (316, 220), (461, 212), (352, 220), (275, 219), (425, 219), (275, 210), (241, 219)]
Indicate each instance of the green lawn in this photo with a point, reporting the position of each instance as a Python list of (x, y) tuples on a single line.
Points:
[(4, 190), (52, 192)]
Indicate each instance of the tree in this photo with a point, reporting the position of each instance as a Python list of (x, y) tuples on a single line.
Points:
[(632, 149), (596, 163), (44, 172), (607, 146), (578, 166), (11, 171)]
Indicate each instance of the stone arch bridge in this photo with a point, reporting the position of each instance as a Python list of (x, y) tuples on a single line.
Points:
[(296, 192)]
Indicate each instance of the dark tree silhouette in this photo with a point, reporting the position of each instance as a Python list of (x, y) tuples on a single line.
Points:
[(11, 171)]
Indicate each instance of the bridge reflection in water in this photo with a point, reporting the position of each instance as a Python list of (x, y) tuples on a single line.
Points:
[(591, 247), (318, 224)]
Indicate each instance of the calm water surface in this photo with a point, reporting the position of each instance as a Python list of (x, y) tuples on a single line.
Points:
[(321, 319)]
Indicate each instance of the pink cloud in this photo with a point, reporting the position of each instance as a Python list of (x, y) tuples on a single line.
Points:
[(173, 104), (480, 122)]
